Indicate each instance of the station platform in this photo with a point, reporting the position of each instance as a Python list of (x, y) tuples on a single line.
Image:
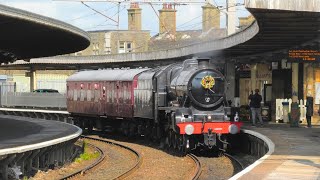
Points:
[(296, 153), (18, 132)]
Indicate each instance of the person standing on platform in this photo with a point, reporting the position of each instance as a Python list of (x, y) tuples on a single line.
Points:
[(255, 107), (250, 105), (309, 113)]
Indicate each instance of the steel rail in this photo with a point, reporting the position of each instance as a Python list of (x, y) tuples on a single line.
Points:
[(235, 160), (198, 171), (82, 171), (123, 175), (130, 170)]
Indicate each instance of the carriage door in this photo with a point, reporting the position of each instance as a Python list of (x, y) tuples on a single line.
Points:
[(118, 93), (103, 97)]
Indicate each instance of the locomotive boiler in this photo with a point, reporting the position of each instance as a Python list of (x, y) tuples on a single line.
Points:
[(183, 104)]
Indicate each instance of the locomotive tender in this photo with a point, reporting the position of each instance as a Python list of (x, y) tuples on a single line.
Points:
[(182, 104)]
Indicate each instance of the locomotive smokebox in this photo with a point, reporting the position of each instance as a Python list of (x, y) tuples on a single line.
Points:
[(203, 63)]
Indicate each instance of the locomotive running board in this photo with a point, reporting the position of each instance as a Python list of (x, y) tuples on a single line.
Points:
[(168, 108)]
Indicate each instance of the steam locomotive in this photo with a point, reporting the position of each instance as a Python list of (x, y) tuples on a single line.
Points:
[(182, 104)]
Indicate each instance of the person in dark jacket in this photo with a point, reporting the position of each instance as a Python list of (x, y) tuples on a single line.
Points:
[(309, 113), (255, 107), (250, 105)]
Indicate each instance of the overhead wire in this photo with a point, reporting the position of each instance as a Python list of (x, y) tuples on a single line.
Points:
[(87, 15), (99, 12), (210, 17), (100, 24), (181, 26)]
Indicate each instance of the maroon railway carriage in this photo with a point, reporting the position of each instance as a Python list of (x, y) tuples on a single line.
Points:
[(101, 93)]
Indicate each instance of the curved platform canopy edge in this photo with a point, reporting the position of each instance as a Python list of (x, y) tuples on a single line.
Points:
[(26, 35)]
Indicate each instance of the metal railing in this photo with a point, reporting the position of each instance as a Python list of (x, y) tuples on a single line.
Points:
[(36, 100), (281, 113)]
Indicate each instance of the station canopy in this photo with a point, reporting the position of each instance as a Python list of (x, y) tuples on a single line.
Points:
[(26, 35)]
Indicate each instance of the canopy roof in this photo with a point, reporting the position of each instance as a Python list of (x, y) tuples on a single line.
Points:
[(26, 35)]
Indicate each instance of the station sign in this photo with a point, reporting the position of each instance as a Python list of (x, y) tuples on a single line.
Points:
[(306, 55)]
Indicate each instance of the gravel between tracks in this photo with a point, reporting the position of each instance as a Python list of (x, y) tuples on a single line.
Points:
[(214, 168), (156, 164), (117, 161)]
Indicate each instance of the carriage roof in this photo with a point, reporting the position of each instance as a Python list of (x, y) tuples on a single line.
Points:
[(106, 75)]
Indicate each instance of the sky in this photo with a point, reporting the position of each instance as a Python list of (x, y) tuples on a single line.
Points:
[(189, 17)]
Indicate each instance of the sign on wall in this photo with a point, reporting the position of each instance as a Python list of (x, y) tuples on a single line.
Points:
[(304, 54), (317, 93)]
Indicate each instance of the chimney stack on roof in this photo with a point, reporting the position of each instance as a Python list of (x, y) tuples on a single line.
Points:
[(134, 17), (167, 17), (210, 17)]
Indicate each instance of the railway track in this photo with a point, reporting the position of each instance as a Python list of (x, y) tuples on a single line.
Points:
[(128, 172), (198, 170), (218, 167), (241, 166), (82, 171)]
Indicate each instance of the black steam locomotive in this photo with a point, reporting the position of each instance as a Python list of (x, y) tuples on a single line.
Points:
[(183, 105)]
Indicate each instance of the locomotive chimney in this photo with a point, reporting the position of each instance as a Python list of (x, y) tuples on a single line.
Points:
[(203, 63)]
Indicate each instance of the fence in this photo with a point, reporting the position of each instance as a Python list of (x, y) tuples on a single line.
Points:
[(279, 108), (37, 100), (7, 87)]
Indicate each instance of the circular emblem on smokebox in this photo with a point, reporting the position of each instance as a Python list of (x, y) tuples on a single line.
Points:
[(207, 82)]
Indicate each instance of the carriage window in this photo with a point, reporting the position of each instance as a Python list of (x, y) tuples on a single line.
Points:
[(82, 93), (75, 93), (108, 92), (112, 93), (70, 93), (78, 94), (96, 95), (92, 94), (124, 87), (89, 92), (120, 93), (89, 95)]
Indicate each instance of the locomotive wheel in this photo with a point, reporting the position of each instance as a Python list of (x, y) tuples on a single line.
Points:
[(174, 140), (180, 142), (177, 141), (90, 128), (125, 129), (167, 141), (147, 132), (184, 148), (132, 129)]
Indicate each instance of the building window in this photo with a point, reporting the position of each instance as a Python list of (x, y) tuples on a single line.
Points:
[(107, 50), (95, 49), (125, 47), (129, 47), (121, 47)]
